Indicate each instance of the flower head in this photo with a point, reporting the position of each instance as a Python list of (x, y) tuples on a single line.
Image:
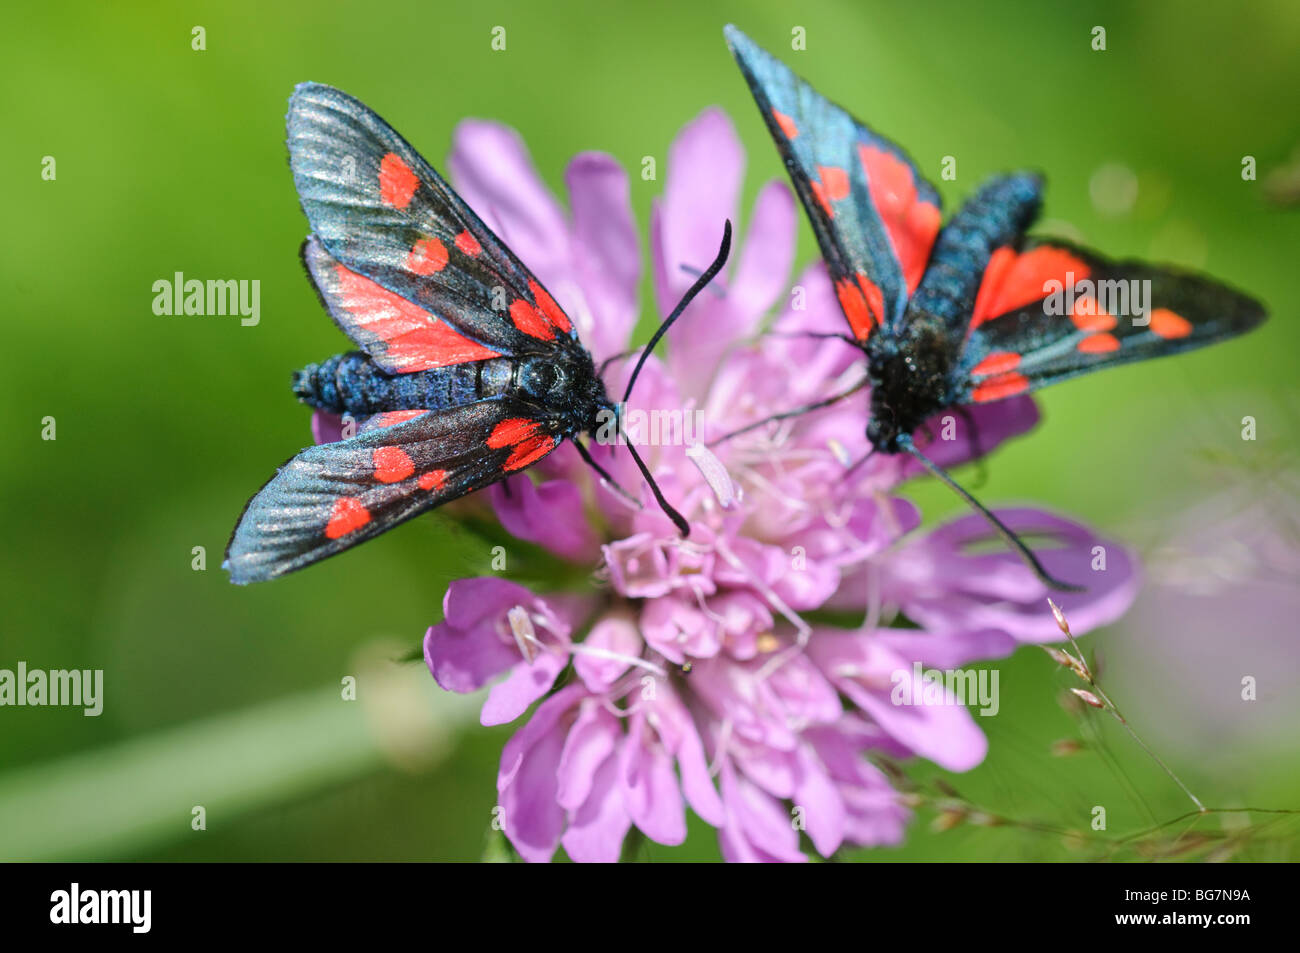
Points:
[(690, 675)]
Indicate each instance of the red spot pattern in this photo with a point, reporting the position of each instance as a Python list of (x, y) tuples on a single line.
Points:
[(348, 516), (996, 388), (509, 431), (1169, 325), (786, 123), (1099, 343), (468, 244), (999, 362), (553, 312), (530, 451), (414, 339), (863, 304), (433, 480), (428, 255), (1088, 315), (520, 433), (832, 186), (397, 183), (911, 223), (1012, 281), (392, 464), (531, 321), (391, 418)]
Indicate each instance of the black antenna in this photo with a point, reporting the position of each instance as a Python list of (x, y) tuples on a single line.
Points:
[(709, 274), (700, 283), (1014, 541), (604, 474), (678, 520), (695, 273)]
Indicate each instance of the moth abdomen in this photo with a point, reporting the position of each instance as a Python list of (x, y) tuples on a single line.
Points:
[(353, 384)]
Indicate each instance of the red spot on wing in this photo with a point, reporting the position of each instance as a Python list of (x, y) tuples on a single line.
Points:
[(835, 181), (433, 480), (468, 244), (911, 223), (531, 321), (392, 464), (391, 418), (996, 388), (1012, 281), (521, 434), (428, 255), (511, 431), (397, 183), (553, 312), (819, 193), (1099, 343), (347, 516), (529, 451), (999, 362), (875, 298), (414, 339), (786, 124), (862, 303), (832, 186), (1089, 315), (1169, 325), (1000, 263)]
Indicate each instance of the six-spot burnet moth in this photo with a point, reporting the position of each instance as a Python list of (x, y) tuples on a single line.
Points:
[(972, 311), (452, 394)]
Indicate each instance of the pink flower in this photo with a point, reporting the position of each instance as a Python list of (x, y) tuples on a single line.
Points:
[(696, 680)]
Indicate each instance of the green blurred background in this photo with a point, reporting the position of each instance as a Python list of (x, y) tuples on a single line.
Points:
[(172, 160)]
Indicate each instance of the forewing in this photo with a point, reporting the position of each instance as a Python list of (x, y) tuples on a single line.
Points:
[(381, 212), (333, 496), (1048, 311), (874, 216)]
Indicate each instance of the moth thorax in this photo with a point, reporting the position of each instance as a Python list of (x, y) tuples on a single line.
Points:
[(543, 379)]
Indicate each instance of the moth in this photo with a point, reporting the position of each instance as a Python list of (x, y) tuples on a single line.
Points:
[(974, 310), (468, 370)]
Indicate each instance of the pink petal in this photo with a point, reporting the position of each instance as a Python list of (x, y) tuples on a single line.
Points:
[(868, 672), (528, 784), (762, 271), (824, 813), (606, 252), (463, 651), (677, 730), (649, 785), (758, 829), (616, 635), (526, 683), (327, 427), (494, 174), (592, 740), (706, 164), (596, 829), (550, 514)]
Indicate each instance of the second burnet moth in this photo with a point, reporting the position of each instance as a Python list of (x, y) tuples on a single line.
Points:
[(972, 311), (469, 371)]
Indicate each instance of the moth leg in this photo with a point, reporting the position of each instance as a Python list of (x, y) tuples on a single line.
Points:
[(977, 448), (792, 413), (623, 356), (604, 475), (816, 336)]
